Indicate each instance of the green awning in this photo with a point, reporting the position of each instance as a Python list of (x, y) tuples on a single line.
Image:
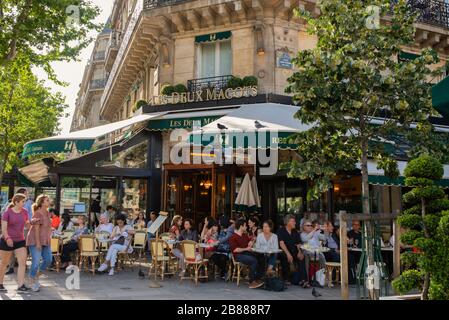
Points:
[(180, 123), (440, 97), (400, 181), (213, 37), (56, 146), (407, 56), (245, 140), (83, 141)]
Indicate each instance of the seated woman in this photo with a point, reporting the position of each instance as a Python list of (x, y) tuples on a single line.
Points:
[(105, 225), (72, 245), (312, 236), (268, 241), (140, 223), (207, 225), (121, 236), (212, 240), (253, 228), (66, 223), (220, 256)]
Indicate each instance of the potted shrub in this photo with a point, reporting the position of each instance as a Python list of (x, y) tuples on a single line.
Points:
[(168, 90), (249, 81), (180, 88), (139, 104), (235, 82)]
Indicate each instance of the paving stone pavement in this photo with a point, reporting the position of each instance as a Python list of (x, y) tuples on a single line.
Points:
[(126, 285)]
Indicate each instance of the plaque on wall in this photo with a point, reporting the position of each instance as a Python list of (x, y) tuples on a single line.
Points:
[(284, 59)]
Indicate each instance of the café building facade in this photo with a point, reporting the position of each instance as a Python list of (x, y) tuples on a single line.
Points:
[(169, 66)]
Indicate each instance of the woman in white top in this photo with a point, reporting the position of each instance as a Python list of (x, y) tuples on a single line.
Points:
[(121, 234), (268, 241)]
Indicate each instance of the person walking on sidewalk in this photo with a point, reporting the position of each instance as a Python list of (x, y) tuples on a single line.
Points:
[(14, 221), (39, 240)]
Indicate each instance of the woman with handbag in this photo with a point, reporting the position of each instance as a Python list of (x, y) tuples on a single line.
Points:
[(121, 237)]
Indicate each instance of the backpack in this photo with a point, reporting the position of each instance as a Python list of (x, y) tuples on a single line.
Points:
[(274, 284)]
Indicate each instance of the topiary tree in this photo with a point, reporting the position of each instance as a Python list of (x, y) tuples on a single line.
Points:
[(180, 88), (168, 90), (250, 81), (235, 82), (427, 226), (139, 104)]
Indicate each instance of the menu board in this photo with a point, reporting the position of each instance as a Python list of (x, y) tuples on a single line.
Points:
[(158, 222)]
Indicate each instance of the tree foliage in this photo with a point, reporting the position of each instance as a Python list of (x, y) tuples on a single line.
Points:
[(355, 91), (427, 230), (28, 110), (45, 30)]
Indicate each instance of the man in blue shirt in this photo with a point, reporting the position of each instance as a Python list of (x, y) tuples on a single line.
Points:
[(28, 203)]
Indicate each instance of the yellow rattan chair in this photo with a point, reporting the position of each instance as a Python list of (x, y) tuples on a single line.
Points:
[(140, 240), (237, 268), (163, 262), (103, 246), (56, 249), (88, 245), (124, 257), (190, 251)]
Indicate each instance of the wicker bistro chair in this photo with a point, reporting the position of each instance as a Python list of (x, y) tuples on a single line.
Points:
[(56, 249), (140, 240), (125, 257), (103, 246), (237, 268), (164, 261), (189, 250), (88, 245)]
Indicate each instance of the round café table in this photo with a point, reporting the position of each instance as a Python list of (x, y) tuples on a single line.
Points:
[(266, 254)]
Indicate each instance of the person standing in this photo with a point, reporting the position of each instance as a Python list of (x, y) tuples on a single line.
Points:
[(14, 221), (39, 240)]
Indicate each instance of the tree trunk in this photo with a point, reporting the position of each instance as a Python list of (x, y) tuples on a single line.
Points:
[(426, 285), (368, 229)]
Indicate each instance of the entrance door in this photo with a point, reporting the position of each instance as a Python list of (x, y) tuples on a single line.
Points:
[(189, 194)]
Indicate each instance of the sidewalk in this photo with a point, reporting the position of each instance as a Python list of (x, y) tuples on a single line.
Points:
[(126, 285)]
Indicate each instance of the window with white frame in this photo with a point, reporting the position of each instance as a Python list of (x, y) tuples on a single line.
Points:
[(214, 59)]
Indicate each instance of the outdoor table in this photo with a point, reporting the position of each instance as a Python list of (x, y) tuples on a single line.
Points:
[(315, 250), (266, 254)]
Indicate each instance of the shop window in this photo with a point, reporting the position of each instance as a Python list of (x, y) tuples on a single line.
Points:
[(75, 190), (214, 59), (134, 196)]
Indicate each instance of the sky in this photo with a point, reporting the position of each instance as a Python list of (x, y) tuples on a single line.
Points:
[(72, 72)]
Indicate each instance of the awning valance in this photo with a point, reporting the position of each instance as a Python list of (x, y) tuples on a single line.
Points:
[(440, 97), (35, 173), (186, 120), (377, 176), (263, 125), (213, 37), (82, 141)]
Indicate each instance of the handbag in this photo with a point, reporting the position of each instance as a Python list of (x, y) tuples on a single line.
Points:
[(120, 241)]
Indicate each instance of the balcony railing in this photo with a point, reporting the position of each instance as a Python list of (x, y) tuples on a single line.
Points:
[(217, 83), (433, 12), (97, 84)]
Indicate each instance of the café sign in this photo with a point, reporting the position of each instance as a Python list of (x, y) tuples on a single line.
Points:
[(208, 94)]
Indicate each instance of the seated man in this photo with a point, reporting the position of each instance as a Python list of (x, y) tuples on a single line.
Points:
[(241, 247), (332, 242), (355, 241), (289, 242)]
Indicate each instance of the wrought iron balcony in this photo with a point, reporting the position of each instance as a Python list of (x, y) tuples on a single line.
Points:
[(218, 83), (433, 12), (97, 84)]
